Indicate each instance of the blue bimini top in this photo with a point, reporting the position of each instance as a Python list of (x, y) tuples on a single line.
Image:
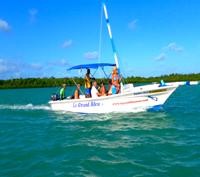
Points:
[(89, 66)]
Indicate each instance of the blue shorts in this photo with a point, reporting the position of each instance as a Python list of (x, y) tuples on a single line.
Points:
[(114, 90), (88, 91)]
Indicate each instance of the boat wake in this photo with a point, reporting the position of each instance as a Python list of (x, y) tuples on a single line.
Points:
[(25, 107)]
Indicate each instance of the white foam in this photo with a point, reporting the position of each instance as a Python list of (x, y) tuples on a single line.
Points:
[(25, 107)]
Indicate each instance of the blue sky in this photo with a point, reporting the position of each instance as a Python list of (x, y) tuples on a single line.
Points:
[(42, 38)]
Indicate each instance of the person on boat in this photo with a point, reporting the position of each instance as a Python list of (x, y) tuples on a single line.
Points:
[(103, 89), (62, 92), (88, 84), (109, 87), (94, 91), (77, 92), (162, 83), (115, 81)]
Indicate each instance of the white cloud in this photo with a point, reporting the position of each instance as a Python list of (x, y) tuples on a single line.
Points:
[(171, 47), (12, 68), (3, 68), (133, 24), (4, 26), (36, 66), (91, 55), (64, 62), (67, 43), (7, 66), (60, 63), (161, 57), (32, 14), (174, 47)]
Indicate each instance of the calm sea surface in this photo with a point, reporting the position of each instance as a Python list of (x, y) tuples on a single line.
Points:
[(37, 142)]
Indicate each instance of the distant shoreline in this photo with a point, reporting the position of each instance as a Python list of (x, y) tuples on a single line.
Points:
[(56, 82)]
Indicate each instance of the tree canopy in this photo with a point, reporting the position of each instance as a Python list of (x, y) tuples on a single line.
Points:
[(54, 82)]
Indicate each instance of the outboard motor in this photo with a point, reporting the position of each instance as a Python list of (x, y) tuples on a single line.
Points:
[(55, 97)]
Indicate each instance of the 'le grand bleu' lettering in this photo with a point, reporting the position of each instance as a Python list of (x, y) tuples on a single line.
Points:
[(88, 104)]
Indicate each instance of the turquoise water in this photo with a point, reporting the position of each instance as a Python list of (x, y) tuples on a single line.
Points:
[(37, 142)]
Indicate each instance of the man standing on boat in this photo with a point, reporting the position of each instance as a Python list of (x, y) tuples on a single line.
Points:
[(62, 92), (88, 84)]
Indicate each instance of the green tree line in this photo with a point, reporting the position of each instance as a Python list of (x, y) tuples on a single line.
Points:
[(54, 82)]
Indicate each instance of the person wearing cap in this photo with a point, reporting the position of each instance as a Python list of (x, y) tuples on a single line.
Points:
[(62, 92)]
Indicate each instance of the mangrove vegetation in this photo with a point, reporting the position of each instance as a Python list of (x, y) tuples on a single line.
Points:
[(55, 82)]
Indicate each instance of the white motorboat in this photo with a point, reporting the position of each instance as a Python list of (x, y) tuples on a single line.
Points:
[(130, 98)]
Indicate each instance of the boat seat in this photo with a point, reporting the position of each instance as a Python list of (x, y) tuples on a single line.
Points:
[(127, 88)]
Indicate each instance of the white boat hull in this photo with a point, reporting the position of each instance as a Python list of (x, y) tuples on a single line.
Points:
[(136, 100)]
